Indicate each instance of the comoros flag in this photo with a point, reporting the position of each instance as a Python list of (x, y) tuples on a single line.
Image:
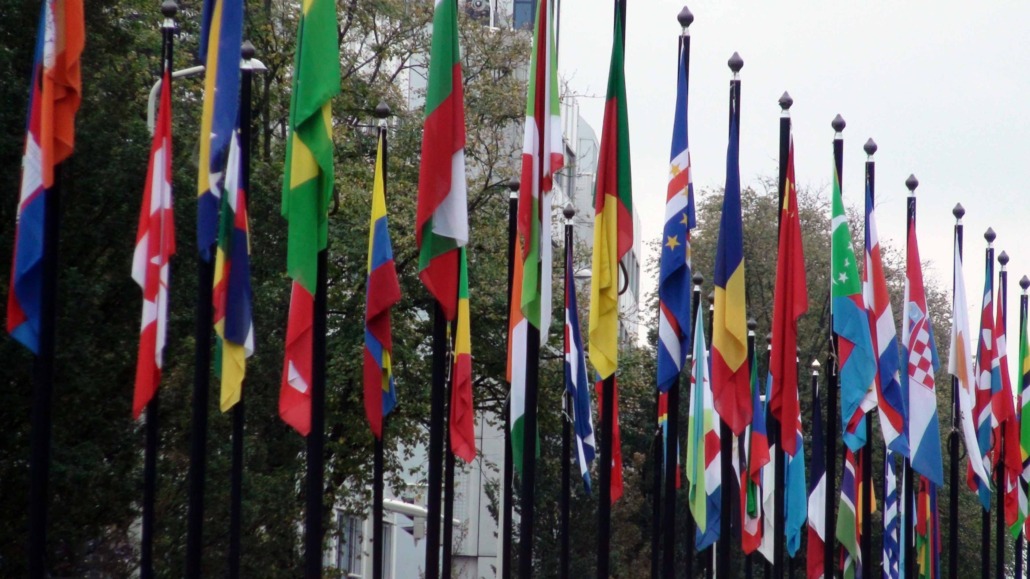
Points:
[(155, 244)]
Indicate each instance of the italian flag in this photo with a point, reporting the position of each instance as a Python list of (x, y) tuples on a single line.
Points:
[(442, 214), (613, 216)]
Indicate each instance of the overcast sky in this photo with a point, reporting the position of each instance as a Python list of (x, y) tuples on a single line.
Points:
[(941, 87)]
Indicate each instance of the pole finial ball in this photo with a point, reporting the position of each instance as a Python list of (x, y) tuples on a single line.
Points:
[(513, 184), (698, 278), (785, 101), (869, 147), (735, 62), (768, 338), (959, 211), (685, 17), (989, 235), (569, 212), (752, 324), (911, 183), (1003, 259), (247, 50), (169, 8), (382, 110), (711, 298), (838, 124), (1024, 283)]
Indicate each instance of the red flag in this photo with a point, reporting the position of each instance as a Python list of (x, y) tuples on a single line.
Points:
[(295, 394), (790, 303), (616, 484)]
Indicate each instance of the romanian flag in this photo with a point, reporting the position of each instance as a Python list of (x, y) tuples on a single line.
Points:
[(49, 139), (233, 298), (307, 190), (442, 213), (730, 384), (462, 420), (155, 244), (221, 36), (790, 302), (382, 291), (613, 215)]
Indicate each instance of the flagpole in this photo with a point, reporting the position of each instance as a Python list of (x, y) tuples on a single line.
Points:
[(436, 442), (382, 112), (985, 515), (691, 530), (709, 557), (999, 515), (908, 499), (509, 461), (658, 454), (566, 431), (867, 450), (316, 438), (749, 559), (953, 438), (832, 376), (447, 530), (767, 567), (1024, 284)]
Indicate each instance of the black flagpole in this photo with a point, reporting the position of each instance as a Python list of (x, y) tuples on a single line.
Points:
[(238, 413), (999, 516), (908, 500), (316, 438), (382, 111), (767, 566), (867, 450), (956, 425), (448, 487), (436, 443), (985, 515), (146, 564), (509, 461), (749, 559), (529, 448), (691, 531), (1024, 284), (566, 430), (725, 542), (708, 557), (658, 454), (832, 376)]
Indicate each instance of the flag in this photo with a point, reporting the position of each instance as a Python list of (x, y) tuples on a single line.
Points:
[(889, 397), (542, 157), (613, 216), (1023, 372), (442, 212), (674, 278), (848, 528), (576, 377), (983, 414), (232, 294), (815, 555), (663, 424), (1007, 455), (518, 327), (382, 292), (703, 447), (790, 302), (155, 244), (616, 466), (795, 505), (757, 458), (960, 365), (49, 139), (221, 36), (462, 421), (891, 520), (307, 189), (851, 326), (920, 351), (927, 531)]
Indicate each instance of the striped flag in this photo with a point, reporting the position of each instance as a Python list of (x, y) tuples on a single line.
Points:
[(790, 302), (1006, 432), (233, 298), (920, 351), (576, 377), (757, 458), (928, 532), (983, 414), (516, 368), (382, 292), (848, 529), (442, 212), (795, 505), (732, 390), (542, 157), (674, 278), (221, 36), (616, 466), (613, 215), (462, 420), (1023, 371), (960, 365), (815, 555), (307, 190), (889, 396), (857, 357), (49, 139), (155, 244), (891, 520), (703, 448)]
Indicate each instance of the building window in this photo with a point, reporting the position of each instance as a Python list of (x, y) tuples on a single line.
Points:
[(387, 550), (523, 14), (348, 547)]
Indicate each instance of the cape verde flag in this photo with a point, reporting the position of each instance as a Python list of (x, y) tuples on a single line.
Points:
[(576, 378), (49, 139), (674, 280)]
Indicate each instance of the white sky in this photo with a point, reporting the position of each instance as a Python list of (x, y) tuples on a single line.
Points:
[(941, 87)]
